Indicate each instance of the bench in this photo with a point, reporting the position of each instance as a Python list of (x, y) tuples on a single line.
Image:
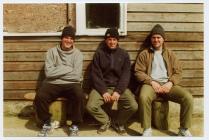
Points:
[(58, 109)]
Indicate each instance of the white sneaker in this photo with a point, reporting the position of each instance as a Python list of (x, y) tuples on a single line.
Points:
[(184, 132), (55, 124), (147, 132)]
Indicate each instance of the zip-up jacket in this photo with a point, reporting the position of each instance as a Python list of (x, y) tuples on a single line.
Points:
[(143, 66), (110, 68)]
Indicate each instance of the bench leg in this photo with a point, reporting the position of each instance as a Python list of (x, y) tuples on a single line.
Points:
[(58, 111)]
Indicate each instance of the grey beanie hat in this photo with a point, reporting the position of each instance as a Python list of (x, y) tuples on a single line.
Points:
[(158, 29)]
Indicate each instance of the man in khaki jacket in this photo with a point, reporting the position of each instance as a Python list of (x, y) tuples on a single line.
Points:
[(159, 71)]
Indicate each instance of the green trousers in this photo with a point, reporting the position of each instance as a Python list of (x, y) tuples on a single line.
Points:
[(127, 105), (177, 94)]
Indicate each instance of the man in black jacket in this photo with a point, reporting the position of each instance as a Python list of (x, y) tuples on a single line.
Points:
[(110, 73)]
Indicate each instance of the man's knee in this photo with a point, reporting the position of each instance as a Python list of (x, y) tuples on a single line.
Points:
[(129, 96), (79, 94), (134, 106), (146, 94), (40, 97), (188, 99), (144, 98), (187, 96)]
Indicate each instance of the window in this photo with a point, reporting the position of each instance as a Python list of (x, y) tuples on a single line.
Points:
[(94, 19)]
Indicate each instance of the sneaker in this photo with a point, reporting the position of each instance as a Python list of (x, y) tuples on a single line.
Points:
[(147, 132), (103, 128), (55, 124), (73, 130), (184, 132), (46, 129), (120, 129)]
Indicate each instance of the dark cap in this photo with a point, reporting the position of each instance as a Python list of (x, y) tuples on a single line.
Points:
[(158, 29), (112, 32), (68, 31)]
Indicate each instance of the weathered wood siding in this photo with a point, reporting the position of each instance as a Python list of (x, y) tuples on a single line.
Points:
[(24, 56)]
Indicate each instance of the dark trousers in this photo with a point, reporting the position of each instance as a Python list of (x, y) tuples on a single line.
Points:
[(50, 92)]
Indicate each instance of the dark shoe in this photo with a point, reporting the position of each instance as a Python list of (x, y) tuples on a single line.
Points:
[(73, 130), (120, 129), (103, 128)]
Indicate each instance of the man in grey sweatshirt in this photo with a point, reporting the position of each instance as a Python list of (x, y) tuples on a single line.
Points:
[(63, 70)]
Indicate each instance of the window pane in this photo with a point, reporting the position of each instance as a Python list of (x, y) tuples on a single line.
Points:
[(102, 15)]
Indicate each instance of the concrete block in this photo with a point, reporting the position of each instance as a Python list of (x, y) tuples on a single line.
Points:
[(25, 109)]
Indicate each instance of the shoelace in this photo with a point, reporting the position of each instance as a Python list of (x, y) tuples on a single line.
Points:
[(184, 132), (73, 131), (44, 131)]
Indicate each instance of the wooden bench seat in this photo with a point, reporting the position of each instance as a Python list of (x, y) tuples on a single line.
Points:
[(58, 109)]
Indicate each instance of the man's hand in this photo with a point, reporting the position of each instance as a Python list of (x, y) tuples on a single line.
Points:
[(167, 87), (115, 96), (107, 97), (156, 86)]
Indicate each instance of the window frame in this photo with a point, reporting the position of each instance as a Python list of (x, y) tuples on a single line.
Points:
[(81, 21)]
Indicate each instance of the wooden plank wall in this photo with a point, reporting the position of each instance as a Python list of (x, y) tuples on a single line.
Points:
[(24, 56)]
